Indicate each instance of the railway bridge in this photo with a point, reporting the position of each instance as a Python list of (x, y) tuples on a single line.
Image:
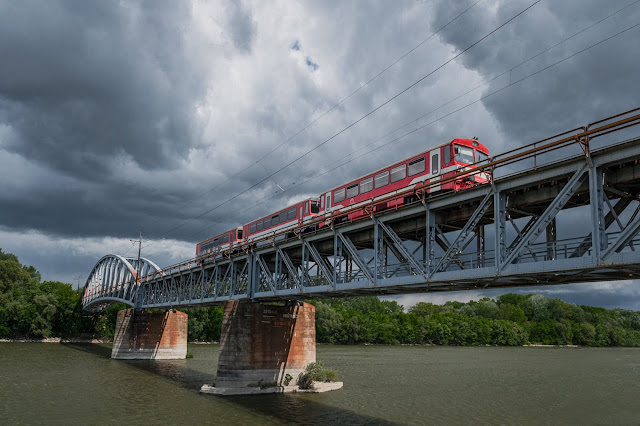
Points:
[(560, 210)]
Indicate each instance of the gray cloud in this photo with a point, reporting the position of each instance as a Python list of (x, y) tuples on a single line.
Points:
[(242, 26), (85, 82), (129, 116)]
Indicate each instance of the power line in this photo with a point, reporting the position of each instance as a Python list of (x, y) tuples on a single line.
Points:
[(411, 86), (467, 105), (315, 120)]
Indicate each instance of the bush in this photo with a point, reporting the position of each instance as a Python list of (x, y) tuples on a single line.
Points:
[(315, 372)]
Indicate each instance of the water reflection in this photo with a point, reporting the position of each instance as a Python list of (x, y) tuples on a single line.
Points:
[(283, 408)]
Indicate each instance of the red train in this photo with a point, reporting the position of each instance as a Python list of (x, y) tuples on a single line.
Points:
[(358, 197)]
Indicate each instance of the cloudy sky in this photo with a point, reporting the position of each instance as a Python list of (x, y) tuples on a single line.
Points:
[(170, 117)]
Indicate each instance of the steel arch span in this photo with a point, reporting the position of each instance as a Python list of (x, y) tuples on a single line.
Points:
[(115, 279)]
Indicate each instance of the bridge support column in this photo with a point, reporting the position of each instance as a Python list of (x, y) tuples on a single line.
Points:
[(264, 343), (144, 335)]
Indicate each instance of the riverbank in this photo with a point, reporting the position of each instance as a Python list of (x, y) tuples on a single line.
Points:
[(55, 340), (105, 341)]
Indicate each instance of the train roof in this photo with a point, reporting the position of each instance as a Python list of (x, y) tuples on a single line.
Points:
[(280, 210), (220, 234), (402, 161)]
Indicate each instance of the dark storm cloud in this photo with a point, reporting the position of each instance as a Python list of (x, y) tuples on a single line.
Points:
[(242, 26), (590, 86), (82, 82)]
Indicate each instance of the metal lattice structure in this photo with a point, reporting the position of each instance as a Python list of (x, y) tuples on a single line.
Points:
[(506, 233), (114, 279)]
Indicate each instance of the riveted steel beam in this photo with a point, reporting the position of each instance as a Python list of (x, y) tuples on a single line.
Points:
[(545, 218), (356, 257)]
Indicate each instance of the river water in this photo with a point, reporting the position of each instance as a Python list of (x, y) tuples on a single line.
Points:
[(78, 383)]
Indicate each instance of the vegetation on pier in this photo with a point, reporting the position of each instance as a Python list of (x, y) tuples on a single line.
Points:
[(31, 308)]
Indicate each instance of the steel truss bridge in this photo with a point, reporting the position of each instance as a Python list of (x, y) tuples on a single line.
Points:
[(545, 221)]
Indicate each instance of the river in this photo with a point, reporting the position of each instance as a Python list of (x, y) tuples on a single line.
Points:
[(78, 383)]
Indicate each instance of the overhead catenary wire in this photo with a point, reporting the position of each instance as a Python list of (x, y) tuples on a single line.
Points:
[(463, 107), (340, 102), (363, 117)]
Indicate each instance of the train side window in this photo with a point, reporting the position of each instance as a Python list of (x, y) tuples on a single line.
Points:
[(435, 164), (225, 239), (416, 166), (291, 214), (259, 226), (338, 195), (366, 185), (252, 228), (216, 243), (274, 220), (446, 154), (382, 179), (352, 190), (283, 217), (322, 202), (398, 173), (306, 207)]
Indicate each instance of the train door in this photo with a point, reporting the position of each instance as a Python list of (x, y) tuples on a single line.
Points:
[(434, 170)]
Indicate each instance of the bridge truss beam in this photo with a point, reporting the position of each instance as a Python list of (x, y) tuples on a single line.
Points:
[(570, 221)]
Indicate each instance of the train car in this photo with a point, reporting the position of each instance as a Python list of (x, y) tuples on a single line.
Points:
[(296, 215), (440, 162), (220, 242)]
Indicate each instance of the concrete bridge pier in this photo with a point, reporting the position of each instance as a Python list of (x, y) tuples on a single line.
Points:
[(145, 335), (262, 343)]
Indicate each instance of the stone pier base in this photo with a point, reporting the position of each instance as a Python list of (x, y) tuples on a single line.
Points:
[(144, 335), (261, 344)]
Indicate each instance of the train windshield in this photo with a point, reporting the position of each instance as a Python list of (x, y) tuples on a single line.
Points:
[(481, 156), (464, 154)]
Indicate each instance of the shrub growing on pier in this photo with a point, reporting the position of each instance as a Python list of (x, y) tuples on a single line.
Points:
[(316, 372)]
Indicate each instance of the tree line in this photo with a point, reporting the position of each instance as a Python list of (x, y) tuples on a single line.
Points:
[(32, 308)]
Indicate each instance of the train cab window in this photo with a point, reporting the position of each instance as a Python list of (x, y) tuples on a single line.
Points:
[(252, 228), (366, 185), (382, 179), (315, 209), (259, 226), (291, 214), (398, 173), (352, 190), (338, 195), (446, 154), (283, 217), (435, 164), (416, 166), (464, 154), (481, 156)]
